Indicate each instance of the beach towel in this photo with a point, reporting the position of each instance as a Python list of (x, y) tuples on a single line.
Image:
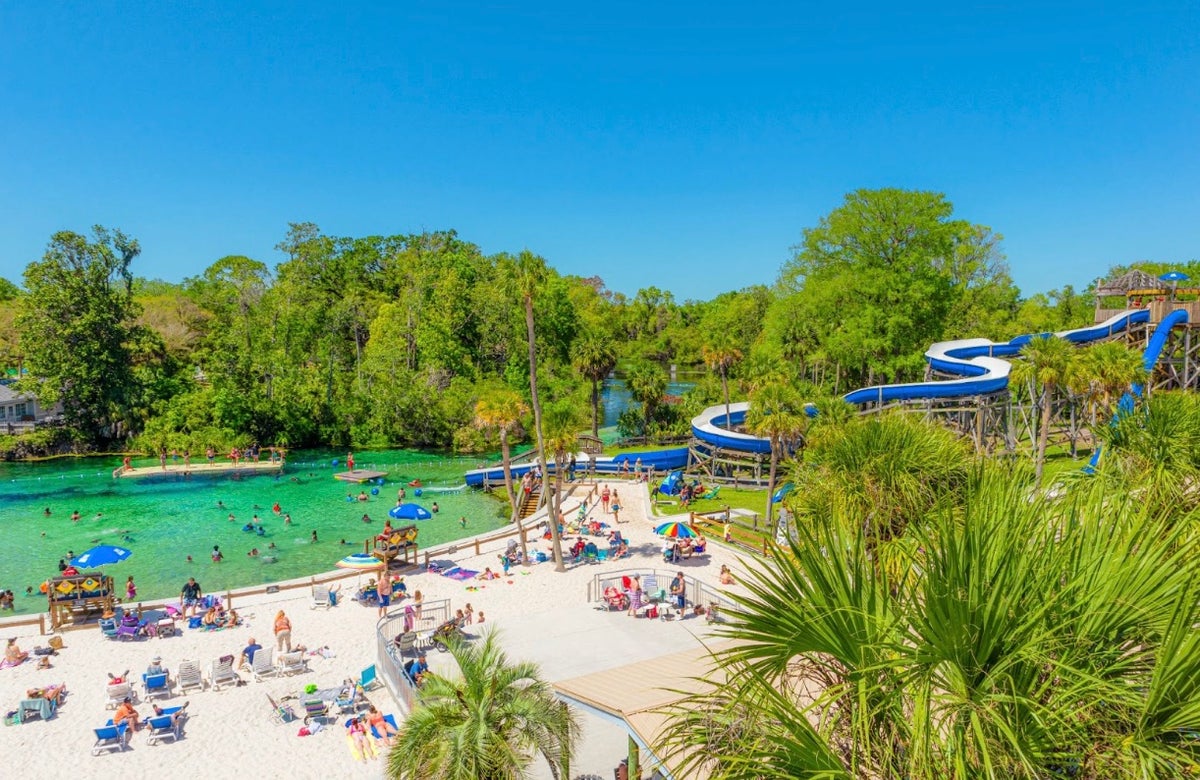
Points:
[(461, 574)]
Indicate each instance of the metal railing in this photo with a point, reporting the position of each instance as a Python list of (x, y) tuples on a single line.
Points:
[(698, 592), (389, 663)]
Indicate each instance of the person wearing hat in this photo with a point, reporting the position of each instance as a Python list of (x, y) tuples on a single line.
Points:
[(155, 666)]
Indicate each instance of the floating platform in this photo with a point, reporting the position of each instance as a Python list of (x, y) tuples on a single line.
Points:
[(179, 470), (359, 475)]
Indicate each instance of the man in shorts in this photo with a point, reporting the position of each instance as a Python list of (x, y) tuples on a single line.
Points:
[(189, 596), (384, 593)]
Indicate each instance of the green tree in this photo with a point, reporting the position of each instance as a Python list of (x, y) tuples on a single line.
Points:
[(1026, 639), (1046, 368), (487, 724), (532, 273), (562, 434), (721, 359), (1102, 373), (877, 281), (501, 410), (595, 358), (776, 413), (647, 385), (79, 334)]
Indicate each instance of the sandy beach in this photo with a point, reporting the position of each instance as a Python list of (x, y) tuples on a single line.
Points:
[(542, 616)]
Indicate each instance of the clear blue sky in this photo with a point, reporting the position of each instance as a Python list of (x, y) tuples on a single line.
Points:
[(684, 145)]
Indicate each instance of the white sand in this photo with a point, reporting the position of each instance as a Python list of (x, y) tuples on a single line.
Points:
[(542, 616)]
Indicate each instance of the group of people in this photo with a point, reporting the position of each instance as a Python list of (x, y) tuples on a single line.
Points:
[(677, 549)]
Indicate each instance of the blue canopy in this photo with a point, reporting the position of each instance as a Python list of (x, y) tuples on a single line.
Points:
[(1174, 276), (101, 556), (670, 486), (409, 511)]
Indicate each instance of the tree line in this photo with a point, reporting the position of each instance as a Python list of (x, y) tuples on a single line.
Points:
[(394, 340)]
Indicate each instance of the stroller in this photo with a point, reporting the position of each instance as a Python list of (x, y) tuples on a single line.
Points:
[(446, 633)]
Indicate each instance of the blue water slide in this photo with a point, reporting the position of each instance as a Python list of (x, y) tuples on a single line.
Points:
[(978, 362), (660, 460)]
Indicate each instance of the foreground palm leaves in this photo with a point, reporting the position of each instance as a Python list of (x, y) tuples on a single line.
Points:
[(1008, 637)]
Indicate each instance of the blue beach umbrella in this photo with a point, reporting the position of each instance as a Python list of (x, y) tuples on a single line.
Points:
[(409, 512), (1174, 276), (101, 556)]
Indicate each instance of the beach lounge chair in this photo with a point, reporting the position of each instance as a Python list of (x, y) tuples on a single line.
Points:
[(282, 713), (167, 724), (368, 679), (263, 664), (189, 677), (651, 589), (156, 685), (108, 627), (116, 694), (316, 709), (712, 493), (320, 597), (406, 642), (222, 673), (109, 738), (291, 663)]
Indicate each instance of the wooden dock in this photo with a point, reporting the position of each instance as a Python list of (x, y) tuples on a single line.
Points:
[(203, 467), (359, 475)]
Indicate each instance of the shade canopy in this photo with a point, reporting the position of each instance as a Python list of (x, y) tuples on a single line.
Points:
[(359, 562), (677, 530), (101, 555), (409, 511), (1174, 276)]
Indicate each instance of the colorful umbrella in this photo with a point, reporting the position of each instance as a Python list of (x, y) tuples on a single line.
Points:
[(359, 562), (676, 530), (100, 556), (409, 512)]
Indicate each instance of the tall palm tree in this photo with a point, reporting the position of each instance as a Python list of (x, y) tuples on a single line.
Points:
[(1047, 366), (531, 272), (721, 359), (501, 409), (647, 384), (776, 413), (595, 358), (562, 433), (1103, 373), (1026, 640), (487, 724)]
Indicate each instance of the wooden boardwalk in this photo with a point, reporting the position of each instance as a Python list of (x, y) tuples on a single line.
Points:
[(203, 467)]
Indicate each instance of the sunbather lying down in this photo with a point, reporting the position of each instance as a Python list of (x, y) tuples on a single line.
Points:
[(53, 693)]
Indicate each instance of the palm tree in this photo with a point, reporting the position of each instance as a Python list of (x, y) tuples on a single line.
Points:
[(1156, 449), (1104, 372), (562, 433), (487, 724), (595, 358), (647, 384), (720, 359), (776, 413), (501, 410), (531, 271), (1028, 639), (1046, 367)]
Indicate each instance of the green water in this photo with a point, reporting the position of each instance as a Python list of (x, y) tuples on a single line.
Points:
[(165, 519)]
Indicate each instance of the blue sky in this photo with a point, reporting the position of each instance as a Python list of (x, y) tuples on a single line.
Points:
[(683, 145)]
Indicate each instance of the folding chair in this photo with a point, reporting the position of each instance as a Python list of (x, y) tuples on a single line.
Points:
[(263, 664), (282, 713)]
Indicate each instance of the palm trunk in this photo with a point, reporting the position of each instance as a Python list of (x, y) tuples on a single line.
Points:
[(555, 540), (771, 488), (512, 495), (725, 389), (595, 409), (1043, 438)]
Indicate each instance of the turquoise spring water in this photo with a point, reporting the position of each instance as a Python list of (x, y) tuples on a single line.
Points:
[(165, 519)]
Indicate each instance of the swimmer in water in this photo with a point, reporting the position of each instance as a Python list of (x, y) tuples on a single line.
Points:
[(253, 553), (189, 560), (345, 542), (287, 519), (231, 517), (434, 508), (99, 515), (75, 516), (277, 508), (46, 512), (366, 518), (314, 536), (271, 546), (220, 504)]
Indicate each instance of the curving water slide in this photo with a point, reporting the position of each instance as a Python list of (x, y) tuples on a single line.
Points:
[(979, 365)]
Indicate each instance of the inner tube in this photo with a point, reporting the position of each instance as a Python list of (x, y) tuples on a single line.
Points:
[(415, 483), (247, 527)]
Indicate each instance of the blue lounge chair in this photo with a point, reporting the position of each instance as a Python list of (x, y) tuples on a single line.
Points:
[(157, 685), (110, 737), (108, 627), (168, 724), (368, 679)]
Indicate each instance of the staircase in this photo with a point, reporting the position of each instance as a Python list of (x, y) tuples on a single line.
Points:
[(529, 503)]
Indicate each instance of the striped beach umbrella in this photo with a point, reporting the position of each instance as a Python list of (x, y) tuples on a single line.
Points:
[(359, 562), (677, 530)]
